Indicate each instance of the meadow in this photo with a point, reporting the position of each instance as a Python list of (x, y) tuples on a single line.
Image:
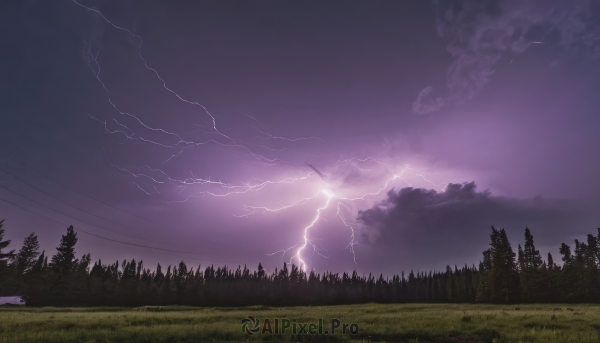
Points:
[(457, 323)]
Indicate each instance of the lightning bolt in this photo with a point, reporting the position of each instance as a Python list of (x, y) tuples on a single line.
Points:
[(200, 187), (307, 228), (353, 241), (181, 143), (306, 239)]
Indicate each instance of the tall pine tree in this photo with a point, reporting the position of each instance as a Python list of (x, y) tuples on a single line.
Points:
[(534, 282), (64, 259), (26, 258), (4, 256), (6, 282), (499, 282), (64, 266)]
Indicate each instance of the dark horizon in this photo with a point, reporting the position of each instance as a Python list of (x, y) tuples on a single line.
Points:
[(503, 276), (378, 136)]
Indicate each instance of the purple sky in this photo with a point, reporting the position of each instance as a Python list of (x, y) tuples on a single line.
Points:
[(366, 110)]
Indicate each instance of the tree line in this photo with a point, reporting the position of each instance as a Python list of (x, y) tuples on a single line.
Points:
[(502, 276)]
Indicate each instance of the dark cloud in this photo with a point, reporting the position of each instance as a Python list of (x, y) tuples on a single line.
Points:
[(480, 32), (457, 221)]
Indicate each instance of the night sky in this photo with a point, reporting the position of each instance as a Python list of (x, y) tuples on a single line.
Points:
[(379, 136)]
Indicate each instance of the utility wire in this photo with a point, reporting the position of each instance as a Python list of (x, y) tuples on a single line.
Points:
[(102, 228), (90, 224), (77, 208), (105, 238), (76, 191), (87, 212)]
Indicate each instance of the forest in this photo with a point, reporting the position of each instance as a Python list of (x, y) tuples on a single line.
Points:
[(502, 276)]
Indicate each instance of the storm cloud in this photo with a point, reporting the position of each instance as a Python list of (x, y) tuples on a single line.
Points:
[(460, 218)]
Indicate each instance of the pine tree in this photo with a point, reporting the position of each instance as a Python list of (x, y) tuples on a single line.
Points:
[(568, 277), (590, 265), (7, 282), (533, 281), (509, 284), (533, 259), (553, 273), (503, 278), (3, 245), (551, 265), (159, 276), (483, 293), (65, 256), (26, 258), (168, 289), (66, 285)]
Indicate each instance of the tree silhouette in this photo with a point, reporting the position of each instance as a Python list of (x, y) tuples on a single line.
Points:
[(534, 279), (3, 245), (26, 258), (498, 279), (499, 282), (65, 256)]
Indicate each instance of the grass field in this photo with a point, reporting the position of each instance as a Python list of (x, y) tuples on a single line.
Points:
[(456, 323)]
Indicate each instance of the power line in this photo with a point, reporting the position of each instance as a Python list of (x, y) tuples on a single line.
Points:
[(102, 228), (77, 208), (90, 224), (87, 196), (104, 238), (87, 212)]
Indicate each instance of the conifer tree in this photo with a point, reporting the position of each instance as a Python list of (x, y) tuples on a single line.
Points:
[(168, 289), (501, 284), (533, 280), (159, 276), (483, 294), (568, 276), (591, 277), (553, 274), (65, 256), (65, 285), (261, 271), (3, 244), (504, 271), (551, 265), (26, 258), (533, 259), (7, 283)]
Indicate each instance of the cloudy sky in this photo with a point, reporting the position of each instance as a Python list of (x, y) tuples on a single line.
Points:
[(373, 135)]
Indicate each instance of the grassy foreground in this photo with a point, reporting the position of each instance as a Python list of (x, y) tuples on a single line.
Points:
[(455, 323)]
